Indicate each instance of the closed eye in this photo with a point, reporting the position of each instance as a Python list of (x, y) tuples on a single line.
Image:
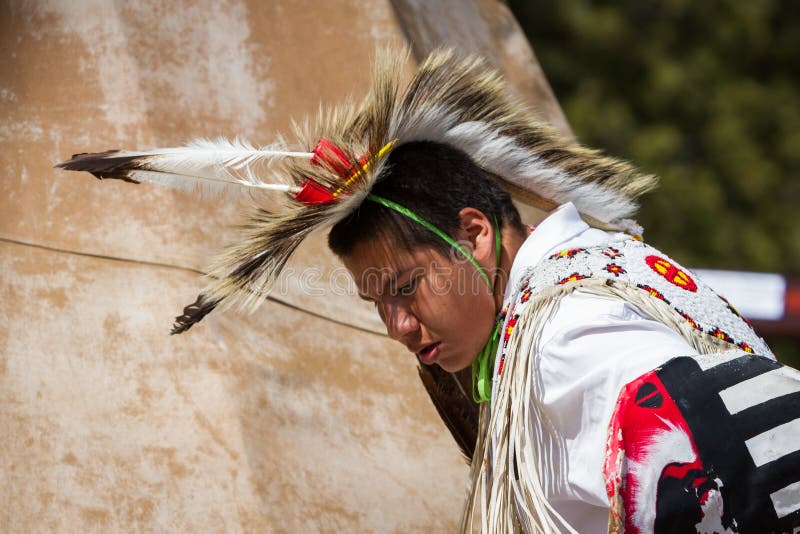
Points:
[(410, 287)]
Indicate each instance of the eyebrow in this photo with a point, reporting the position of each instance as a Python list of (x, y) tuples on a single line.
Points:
[(392, 279)]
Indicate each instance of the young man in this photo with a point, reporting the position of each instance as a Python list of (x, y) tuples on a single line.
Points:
[(588, 347), (617, 391)]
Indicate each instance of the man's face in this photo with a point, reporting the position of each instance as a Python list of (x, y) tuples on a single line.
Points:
[(438, 307)]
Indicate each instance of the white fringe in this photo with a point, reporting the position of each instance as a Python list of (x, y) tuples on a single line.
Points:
[(520, 463), (514, 470)]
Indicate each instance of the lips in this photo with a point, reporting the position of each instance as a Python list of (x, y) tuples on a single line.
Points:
[(429, 353)]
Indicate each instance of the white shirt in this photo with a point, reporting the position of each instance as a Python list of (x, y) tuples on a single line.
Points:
[(587, 352)]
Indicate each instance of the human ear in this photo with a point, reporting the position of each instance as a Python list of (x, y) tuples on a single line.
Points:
[(476, 228)]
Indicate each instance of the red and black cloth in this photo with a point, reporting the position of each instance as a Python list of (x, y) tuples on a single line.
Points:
[(701, 445)]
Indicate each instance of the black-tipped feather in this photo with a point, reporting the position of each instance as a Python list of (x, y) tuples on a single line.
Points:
[(103, 165), (193, 313)]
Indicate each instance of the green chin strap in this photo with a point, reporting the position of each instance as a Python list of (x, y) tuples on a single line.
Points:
[(483, 364)]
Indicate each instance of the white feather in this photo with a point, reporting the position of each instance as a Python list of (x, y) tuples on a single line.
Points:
[(212, 167), (205, 185)]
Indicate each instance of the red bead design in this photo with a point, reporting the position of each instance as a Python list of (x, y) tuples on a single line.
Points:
[(574, 277), (745, 347), (671, 273), (614, 269), (510, 328), (569, 253), (612, 253), (689, 320), (526, 295), (719, 334), (654, 292)]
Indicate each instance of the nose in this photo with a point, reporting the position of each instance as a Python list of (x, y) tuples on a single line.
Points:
[(399, 321)]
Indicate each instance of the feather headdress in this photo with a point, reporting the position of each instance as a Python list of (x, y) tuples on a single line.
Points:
[(450, 100)]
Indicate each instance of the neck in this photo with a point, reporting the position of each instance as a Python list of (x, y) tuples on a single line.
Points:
[(511, 240)]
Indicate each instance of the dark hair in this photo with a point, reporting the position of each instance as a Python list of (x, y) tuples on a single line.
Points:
[(433, 180)]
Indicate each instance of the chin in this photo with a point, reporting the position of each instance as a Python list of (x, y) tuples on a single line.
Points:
[(453, 367)]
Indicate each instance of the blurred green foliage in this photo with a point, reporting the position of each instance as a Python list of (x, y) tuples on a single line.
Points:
[(706, 95)]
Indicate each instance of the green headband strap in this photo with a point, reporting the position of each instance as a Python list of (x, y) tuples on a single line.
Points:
[(482, 366), (449, 240)]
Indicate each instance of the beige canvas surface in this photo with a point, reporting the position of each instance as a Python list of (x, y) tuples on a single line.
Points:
[(286, 420)]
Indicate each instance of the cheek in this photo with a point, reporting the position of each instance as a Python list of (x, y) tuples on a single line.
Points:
[(481, 316), (465, 314)]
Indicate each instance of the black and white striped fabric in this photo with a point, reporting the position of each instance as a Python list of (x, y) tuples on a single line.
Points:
[(744, 415)]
